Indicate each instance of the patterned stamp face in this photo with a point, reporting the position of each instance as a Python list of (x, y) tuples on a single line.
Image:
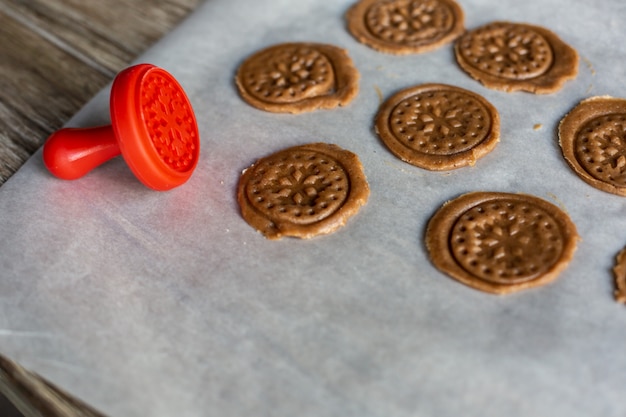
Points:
[(593, 140), (500, 242), (302, 191), (509, 51), (436, 126), (405, 26), (297, 77), (513, 56), (169, 120), (155, 126)]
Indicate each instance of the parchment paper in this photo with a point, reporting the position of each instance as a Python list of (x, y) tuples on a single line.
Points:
[(144, 303)]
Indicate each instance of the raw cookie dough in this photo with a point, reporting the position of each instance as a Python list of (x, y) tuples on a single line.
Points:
[(619, 272), (501, 242), (405, 26), (438, 126), (593, 140), (297, 78), (514, 56), (303, 191)]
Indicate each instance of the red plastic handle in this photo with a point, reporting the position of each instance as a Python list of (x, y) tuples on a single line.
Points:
[(71, 153)]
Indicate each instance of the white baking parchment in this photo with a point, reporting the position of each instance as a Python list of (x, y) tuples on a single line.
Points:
[(161, 304)]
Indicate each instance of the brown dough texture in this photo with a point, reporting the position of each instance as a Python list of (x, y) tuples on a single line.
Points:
[(303, 191), (298, 78), (438, 126), (619, 272), (501, 242), (515, 56), (593, 140), (405, 26)]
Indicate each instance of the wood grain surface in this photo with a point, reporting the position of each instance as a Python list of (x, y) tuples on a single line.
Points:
[(54, 56)]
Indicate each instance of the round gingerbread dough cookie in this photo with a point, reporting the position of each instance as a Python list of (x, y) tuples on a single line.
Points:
[(593, 140), (515, 56), (297, 78), (501, 242), (619, 272), (303, 191), (438, 126), (405, 26)]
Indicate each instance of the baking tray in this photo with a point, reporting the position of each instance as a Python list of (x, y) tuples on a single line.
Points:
[(149, 303)]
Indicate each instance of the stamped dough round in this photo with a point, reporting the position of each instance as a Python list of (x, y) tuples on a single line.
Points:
[(619, 272), (405, 26), (438, 126), (501, 242), (303, 191), (593, 140), (514, 56), (298, 77)]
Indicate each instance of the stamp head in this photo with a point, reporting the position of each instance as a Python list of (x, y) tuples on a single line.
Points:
[(155, 126)]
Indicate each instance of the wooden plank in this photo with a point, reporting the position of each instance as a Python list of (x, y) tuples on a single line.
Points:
[(7, 409), (122, 29), (34, 397), (36, 96)]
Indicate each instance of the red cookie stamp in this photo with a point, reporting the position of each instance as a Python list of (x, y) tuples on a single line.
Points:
[(152, 126)]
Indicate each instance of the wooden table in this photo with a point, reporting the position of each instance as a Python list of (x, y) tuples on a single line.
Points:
[(54, 56)]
